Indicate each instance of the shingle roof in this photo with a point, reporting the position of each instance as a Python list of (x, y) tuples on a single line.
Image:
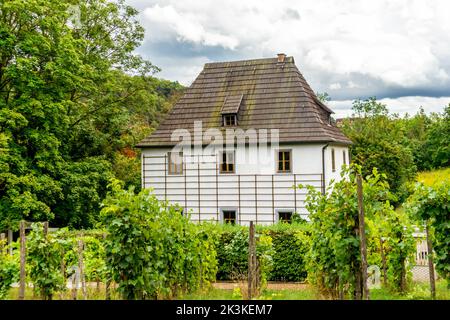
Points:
[(275, 96), (232, 103)]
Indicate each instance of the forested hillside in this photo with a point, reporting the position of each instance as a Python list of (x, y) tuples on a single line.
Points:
[(74, 100)]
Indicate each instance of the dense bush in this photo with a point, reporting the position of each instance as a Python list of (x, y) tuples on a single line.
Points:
[(290, 246), (152, 251), (232, 253), (281, 247)]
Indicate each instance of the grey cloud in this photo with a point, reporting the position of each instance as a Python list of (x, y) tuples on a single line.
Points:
[(291, 14), (346, 50)]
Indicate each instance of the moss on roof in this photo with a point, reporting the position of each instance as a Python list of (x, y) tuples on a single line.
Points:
[(275, 96)]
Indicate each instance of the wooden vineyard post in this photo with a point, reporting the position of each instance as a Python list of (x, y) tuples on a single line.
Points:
[(108, 279), (251, 261), (22, 260), (362, 235), (45, 229), (2, 238), (74, 287), (63, 272), (430, 263), (383, 261), (10, 240), (80, 268)]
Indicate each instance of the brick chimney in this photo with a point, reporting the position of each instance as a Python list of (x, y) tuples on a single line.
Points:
[(281, 57)]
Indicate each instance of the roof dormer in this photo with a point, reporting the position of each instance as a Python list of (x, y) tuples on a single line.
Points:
[(230, 109)]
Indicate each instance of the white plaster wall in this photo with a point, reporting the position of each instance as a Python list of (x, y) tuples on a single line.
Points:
[(339, 162), (212, 191)]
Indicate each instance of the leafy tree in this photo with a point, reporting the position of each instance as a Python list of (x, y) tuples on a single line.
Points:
[(73, 96), (323, 97), (436, 147), (379, 142)]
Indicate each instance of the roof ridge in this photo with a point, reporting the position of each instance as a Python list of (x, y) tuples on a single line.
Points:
[(289, 59)]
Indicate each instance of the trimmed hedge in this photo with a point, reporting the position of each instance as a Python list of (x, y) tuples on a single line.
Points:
[(290, 243), (232, 253), (290, 247)]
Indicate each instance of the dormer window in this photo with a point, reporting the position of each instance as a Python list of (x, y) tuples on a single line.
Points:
[(230, 109), (229, 120)]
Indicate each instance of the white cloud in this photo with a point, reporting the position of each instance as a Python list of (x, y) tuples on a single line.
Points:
[(353, 48), (185, 27)]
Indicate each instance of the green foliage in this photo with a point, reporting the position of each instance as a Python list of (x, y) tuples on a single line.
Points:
[(290, 246), (232, 253), (436, 147), (397, 146), (334, 258), (94, 258), (9, 268), (281, 249), (431, 205), (44, 261), (393, 230), (264, 253), (400, 247), (73, 98), (152, 251), (323, 97), (379, 142)]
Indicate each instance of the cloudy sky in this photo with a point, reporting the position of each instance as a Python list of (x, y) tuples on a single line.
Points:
[(398, 51)]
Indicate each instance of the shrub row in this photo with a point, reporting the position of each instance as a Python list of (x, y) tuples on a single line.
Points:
[(289, 245)]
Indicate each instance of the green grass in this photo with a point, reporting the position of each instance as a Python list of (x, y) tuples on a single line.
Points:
[(431, 177), (92, 294), (210, 294), (228, 294), (304, 294), (420, 291)]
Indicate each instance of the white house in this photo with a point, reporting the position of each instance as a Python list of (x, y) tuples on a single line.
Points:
[(243, 134)]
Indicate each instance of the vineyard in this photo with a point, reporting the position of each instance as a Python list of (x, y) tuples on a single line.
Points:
[(146, 249)]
